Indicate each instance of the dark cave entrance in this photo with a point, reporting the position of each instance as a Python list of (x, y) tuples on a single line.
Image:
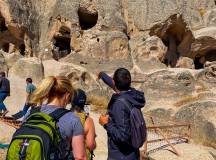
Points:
[(3, 26), (61, 43), (87, 19), (172, 54), (197, 63), (22, 49), (176, 36), (5, 47)]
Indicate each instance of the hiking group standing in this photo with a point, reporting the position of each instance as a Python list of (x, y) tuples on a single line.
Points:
[(62, 134)]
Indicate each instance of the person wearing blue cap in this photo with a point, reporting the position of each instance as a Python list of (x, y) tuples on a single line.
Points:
[(78, 107)]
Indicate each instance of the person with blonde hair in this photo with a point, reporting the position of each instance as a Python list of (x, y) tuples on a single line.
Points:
[(51, 97)]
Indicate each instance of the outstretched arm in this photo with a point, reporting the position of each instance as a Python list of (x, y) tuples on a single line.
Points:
[(107, 80)]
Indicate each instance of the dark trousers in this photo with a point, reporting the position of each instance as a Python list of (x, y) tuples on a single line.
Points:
[(2, 98), (22, 113), (25, 108)]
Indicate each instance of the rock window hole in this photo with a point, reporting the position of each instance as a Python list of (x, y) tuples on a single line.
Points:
[(22, 49), (197, 63), (87, 19), (172, 54), (5, 47), (61, 43)]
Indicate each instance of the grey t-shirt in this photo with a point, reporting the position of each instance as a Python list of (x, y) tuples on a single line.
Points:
[(69, 124)]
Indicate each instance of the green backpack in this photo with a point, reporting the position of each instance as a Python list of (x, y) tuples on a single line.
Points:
[(39, 138)]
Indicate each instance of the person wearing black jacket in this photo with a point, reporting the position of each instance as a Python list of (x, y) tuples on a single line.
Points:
[(4, 92), (117, 121)]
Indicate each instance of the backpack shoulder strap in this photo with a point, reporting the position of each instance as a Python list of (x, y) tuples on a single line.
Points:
[(58, 113), (35, 110), (126, 103)]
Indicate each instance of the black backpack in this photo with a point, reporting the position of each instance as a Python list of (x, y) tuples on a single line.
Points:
[(138, 125)]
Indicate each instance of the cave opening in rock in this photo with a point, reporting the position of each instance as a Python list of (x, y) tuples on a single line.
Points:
[(176, 36), (87, 19), (61, 47), (2, 24), (197, 62), (61, 43), (22, 49), (172, 54), (210, 56), (5, 47)]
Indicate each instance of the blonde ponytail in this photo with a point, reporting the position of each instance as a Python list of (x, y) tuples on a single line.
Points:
[(51, 87)]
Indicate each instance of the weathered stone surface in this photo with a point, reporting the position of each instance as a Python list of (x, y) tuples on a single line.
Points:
[(208, 75), (28, 67), (99, 29), (12, 58), (79, 76), (188, 152), (185, 62), (3, 65), (209, 17), (208, 31), (96, 64), (106, 46), (165, 87), (149, 12), (202, 116), (182, 81), (151, 47)]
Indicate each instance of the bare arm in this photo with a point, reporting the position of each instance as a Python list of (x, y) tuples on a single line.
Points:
[(78, 147), (90, 134)]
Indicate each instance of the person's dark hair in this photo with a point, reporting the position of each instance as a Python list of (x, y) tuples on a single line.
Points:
[(29, 80), (78, 101), (122, 79), (2, 74)]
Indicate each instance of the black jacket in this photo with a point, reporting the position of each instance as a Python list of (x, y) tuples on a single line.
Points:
[(118, 128), (4, 85)]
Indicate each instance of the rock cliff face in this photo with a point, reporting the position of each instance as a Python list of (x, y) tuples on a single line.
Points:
[(168, 45), (104, 29)]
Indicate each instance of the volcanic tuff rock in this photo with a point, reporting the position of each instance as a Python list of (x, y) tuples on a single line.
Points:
[(28, 67), (202, 116)]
